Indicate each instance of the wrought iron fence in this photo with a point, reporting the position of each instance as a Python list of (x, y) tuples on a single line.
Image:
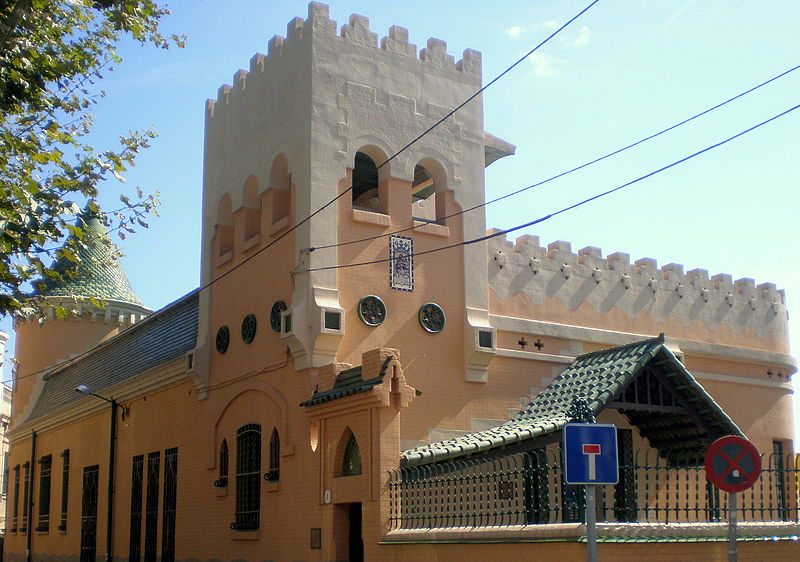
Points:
[(528, 489)]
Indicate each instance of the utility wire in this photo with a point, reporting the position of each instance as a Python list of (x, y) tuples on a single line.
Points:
[(406, 147), (570, 207), (562, 174), (479, 92)]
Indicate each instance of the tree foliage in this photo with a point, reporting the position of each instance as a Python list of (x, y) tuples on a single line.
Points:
[(52, 55)]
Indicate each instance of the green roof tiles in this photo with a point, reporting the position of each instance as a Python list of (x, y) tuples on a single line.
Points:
[(599, 378), (163, 336), (348, 382), (98, 274)]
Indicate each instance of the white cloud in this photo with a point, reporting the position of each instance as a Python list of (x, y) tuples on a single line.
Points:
[(552, 24), (514, 32), (583, 38), (544, 65)]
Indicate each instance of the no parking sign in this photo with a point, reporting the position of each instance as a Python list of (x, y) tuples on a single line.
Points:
[(733, 463)]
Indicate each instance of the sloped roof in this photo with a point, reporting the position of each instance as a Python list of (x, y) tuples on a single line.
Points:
[(348, 382), (685, 422), (98, 274), (165, 335)]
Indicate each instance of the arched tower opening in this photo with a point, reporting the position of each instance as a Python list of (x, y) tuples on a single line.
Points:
[(428, 192), (251, 203), (280, 185), (224, 233)]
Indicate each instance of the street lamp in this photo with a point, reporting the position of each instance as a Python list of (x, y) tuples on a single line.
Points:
[(112, 450)]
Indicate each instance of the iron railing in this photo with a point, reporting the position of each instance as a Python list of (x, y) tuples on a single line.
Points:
[(528, 488)]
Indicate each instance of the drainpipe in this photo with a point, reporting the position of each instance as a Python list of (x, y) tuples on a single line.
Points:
[(29, 499), (112, 449)]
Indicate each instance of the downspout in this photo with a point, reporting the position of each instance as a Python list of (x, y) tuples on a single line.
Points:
[(112, 449), (29, 499)]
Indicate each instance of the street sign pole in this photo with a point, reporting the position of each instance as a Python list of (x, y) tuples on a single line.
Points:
[(591, 523), (590, 459), (733, 464), (732, 515)]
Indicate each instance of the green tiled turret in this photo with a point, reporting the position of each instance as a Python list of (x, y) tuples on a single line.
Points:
[(99, 273)]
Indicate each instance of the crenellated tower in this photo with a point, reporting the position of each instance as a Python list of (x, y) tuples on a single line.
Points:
[(316, 120)]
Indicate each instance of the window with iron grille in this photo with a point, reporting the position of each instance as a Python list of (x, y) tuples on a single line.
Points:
[(137, 486), (64, 489), (274, 472), (89, 514), (25, 502), (15, 509), (222, 481), (170, 504), (45, 472), (248, 477), (151, 507)]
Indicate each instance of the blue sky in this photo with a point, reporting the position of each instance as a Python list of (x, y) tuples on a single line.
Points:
[(624, 70)]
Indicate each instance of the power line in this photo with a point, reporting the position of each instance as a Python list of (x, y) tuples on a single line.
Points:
[(406, 147), (575, 169), (570, 207), (479, 92)]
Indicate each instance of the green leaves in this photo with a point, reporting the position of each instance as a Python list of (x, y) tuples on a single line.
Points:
[(52, 55)]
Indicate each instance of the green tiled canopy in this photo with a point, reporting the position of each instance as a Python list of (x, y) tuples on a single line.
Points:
[(98, 274), (686, 425), (347, 383)]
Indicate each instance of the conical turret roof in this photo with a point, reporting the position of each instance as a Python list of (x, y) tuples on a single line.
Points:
[(99, 273)]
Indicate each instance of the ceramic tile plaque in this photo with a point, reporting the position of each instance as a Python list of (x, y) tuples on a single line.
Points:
[(401, 263)]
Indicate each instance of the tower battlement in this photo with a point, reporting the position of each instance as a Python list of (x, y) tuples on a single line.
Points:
[(356, 32), (635, 287)]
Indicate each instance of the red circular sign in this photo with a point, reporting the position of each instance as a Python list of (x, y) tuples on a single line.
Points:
[(733, 463)]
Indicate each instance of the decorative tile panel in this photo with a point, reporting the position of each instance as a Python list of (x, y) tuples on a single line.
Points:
[(401, 263)]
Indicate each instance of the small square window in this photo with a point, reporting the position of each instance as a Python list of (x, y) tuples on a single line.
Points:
[(287, 323), (485, 339), (333, 320)]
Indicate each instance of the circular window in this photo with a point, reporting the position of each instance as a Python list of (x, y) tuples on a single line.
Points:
[(223, 339), (275, 315), (371, 310), (431, 317), (249, 325)]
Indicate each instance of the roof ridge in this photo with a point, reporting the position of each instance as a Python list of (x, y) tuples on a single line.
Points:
[(660, 338)]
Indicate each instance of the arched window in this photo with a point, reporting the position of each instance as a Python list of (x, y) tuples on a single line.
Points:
[(224, 225), (248, 477), (427, 193), (280, 183), (222, 481), (251, 202), (274, 472), (365, 183), (351, 463)]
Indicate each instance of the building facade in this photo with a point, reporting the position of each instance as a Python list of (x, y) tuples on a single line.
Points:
[(287, 409)]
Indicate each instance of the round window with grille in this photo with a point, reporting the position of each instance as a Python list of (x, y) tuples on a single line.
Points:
[(431, 317), (249, 325), (371, 310), (223, 339)]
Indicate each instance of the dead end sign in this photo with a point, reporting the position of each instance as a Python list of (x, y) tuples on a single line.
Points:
[(733, 463)]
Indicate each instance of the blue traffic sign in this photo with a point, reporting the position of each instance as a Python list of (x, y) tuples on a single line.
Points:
[(590, 453)]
